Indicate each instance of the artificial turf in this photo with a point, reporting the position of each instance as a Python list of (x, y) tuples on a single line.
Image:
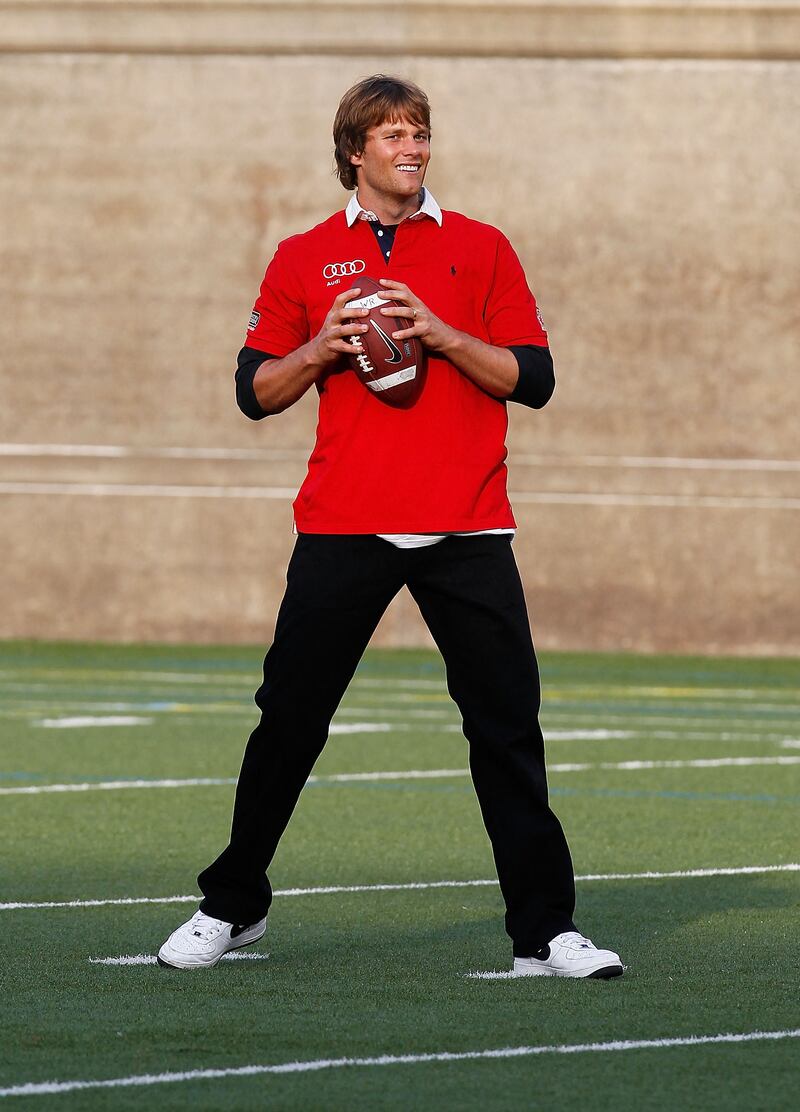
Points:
[(369, 973)]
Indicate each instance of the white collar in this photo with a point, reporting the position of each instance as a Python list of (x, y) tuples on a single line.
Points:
[(429, 207)]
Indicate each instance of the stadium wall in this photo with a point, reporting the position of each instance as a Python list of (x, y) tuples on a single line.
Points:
[(642, 159)]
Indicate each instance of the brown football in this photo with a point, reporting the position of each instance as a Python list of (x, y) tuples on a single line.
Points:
[(392, 370)]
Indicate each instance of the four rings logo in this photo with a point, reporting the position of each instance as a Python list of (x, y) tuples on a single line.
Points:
[(344, 270)]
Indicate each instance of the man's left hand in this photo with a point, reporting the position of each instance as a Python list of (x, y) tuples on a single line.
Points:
[(422, 323)]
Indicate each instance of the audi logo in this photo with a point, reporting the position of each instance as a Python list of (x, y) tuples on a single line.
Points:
[(344, 270)]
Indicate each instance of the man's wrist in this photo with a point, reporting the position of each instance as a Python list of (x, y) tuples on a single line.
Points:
[(455, 343), (316, 358)]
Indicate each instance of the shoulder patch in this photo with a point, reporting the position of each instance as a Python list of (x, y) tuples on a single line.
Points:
[(254, 319)]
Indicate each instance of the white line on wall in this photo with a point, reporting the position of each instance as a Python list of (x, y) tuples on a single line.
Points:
[(38, 1088), (147, 490), (704, 501), (121, 451), (646, 463), (557, 498), (125, 451)]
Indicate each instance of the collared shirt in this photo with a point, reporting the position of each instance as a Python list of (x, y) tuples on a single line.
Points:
[(455, 477), (428, 207)]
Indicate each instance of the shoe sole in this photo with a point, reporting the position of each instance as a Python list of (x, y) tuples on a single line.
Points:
[(209, 964), (604, 973)]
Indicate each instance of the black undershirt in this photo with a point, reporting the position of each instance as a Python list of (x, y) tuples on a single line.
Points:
[(534, 388)]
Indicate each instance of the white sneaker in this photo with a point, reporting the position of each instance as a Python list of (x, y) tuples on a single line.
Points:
[(571, 955), (202, 941)]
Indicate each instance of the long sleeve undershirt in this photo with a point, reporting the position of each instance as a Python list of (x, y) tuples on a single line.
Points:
[(534, 387)]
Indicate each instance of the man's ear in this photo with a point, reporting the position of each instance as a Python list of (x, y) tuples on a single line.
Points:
[(357, 159)]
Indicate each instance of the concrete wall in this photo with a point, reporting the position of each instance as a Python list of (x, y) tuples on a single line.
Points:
[(643, 160)]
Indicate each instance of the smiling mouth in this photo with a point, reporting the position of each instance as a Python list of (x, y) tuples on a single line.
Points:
[(408, 168)]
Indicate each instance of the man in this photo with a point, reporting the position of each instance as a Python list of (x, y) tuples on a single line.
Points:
[(399, 497)]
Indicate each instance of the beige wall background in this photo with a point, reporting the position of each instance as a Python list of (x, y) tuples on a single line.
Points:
[(643, 159)]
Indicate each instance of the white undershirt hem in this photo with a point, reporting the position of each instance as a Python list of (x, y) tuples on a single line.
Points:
[(423, 540)]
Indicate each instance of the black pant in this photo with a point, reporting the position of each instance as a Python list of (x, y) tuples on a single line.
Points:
[(469, 593)]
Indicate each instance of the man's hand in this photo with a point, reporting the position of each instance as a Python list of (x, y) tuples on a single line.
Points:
[(333, 339), (493, 369), (418, 319), (278, 383)]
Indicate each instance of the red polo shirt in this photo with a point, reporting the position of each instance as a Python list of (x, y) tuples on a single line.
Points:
[(439, 466)]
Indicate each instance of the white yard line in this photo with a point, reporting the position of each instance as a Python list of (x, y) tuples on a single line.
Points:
[(772, 736), (492, 975), (407, 706), (111, 675), (117, 785), (125, 901), (40, 1088), (662, 691), (742, 870), (387, 685), (399, 775), (150, 959), (701, 762), (750, 731), (80, 722), (657, 716), (585, 735), (773, 729), (361, 727), (411, 774), (407, 715), (417, 886), (72, 675)]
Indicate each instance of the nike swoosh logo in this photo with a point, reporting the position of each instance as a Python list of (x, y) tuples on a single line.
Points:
[(396, 356)]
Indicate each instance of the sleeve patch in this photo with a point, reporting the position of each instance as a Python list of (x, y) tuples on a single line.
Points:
[(254, 319)]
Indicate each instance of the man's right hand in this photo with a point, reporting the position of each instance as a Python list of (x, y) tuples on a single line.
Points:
[(278, 383), (333, 339)]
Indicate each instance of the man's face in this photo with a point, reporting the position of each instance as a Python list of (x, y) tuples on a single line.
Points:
[(394, 159)]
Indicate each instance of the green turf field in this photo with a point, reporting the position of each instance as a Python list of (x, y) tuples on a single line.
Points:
[(659, 765)]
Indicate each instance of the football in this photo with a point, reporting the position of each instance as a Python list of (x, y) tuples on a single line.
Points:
[(392, 370)]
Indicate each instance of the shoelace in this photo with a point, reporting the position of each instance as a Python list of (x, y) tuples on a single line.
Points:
[(204, 927), (578, 940)]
